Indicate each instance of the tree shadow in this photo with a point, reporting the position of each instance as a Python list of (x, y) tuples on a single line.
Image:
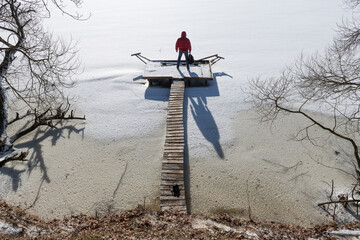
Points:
[(100, 79), (36, 159), (15, 176)]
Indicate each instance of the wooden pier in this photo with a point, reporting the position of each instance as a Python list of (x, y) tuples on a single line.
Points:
[(172, 188)]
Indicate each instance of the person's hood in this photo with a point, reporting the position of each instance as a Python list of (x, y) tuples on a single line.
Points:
[(183, 34)]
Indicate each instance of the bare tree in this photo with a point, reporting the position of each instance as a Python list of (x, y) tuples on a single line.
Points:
[(35, 68), (327, 82)]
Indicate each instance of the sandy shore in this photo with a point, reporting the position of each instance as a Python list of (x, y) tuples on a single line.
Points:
[(70, 173), (259, 169), (280, 179)]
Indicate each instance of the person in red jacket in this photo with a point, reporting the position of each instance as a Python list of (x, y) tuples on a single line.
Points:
[(184, 46)]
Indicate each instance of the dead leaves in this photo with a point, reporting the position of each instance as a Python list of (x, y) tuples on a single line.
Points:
[(144, 224)]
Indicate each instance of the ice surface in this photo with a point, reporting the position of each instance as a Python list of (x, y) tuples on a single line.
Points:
[(257, 38)]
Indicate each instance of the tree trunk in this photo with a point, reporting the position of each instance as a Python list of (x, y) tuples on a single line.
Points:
[(4, 66), (3, 118)]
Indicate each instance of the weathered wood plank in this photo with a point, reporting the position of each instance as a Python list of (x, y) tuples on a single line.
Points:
[(178, 145), (179, 111), (174, 149), (174, 202), (172, 125), (179, 120), (173, 161), (171, 152), (175, 129), (171, 177), (173, 166), (173, 158), (171, 122), (167, 183), (173, 171), (169, 188), (175, 144), (176, 208), (169, 134), (179, 137), (175, 132), (169, 141), (174, 141), (170, 117), (174, 138), (175, 121), (167, 192), (172, 198)]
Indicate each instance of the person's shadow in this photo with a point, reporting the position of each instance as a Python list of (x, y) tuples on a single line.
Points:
[(206, 123)]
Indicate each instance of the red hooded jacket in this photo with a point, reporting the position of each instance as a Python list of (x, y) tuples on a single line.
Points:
[(183, 44)]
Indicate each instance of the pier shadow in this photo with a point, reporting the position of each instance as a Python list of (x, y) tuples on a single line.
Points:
[(204, 120), (158, 92), (138, 78), (186, 156)]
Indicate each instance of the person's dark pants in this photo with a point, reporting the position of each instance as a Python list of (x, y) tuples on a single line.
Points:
[(186, 58)]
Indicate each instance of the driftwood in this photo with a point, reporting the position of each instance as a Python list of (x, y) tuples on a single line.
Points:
[(342, 199), (45, 119), (345, 233), (14, 155)]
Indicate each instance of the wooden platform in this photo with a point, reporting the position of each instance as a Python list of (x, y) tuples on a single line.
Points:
[(172, 188), (156, 70)]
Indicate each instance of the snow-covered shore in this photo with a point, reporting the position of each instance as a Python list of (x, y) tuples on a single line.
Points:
[(112, 161)]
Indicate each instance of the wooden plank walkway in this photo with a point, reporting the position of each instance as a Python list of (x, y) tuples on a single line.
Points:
[(172, 188)]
